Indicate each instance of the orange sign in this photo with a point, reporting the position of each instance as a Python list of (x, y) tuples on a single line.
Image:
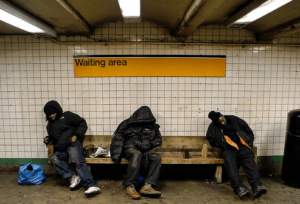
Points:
[(149, 66)]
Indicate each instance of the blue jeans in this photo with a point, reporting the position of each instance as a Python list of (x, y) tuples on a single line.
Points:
[(75, 153)]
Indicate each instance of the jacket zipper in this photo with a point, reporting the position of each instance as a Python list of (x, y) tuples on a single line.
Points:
[(223, 136), (242, 139)]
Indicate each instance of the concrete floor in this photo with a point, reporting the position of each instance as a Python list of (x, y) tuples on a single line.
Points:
[(55, 190)]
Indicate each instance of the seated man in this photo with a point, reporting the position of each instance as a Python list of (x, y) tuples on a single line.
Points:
[(134, 139), (235, 138), (66, 131)]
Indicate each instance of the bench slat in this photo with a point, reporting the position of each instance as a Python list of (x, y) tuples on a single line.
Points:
[(166, 159)]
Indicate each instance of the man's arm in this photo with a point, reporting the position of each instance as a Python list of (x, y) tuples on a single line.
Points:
[(117, 142), (210, 136), (246, 128), (80, 124), (157, 141), (48, 139), (116, 147)]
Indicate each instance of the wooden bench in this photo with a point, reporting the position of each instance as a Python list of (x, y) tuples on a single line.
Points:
[(174, 150)]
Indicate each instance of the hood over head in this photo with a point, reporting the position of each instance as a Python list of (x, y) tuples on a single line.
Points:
[(48, 108), (142, 115)]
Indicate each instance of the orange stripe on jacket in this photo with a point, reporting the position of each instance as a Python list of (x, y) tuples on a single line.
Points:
[(230, 142), (243, 142)]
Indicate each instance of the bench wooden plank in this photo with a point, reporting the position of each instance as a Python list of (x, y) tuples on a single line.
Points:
[(166, 159)]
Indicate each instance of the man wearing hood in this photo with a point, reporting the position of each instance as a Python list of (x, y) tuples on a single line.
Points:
[(134, 139), (66, 131), (235, 138)]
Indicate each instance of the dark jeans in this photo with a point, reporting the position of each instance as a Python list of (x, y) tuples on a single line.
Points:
[(75, 153), (243, 157), (135, 158)]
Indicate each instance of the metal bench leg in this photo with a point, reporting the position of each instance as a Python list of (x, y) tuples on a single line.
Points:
[(218, 174)]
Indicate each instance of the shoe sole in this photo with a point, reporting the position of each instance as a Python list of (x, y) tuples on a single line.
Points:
[(134, 198), (151, 195), (75, 187), (259, 193), (92, 193), (244, 195)]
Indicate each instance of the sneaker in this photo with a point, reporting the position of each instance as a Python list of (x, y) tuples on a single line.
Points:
[(148, 191), (75, 180), (242, 192), (259, 190), (92, 191), (132, 193)]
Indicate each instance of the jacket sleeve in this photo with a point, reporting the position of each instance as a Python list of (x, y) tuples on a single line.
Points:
[(157, 141), (117, 142), (245, 127), (80, 124), (211, 137), (52, 139)]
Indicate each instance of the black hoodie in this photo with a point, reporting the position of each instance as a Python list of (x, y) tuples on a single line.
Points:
[(65, 125), (139, 131)]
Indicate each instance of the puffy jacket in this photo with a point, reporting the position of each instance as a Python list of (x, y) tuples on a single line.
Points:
[(65, 125), (215, 135), (139, 131)]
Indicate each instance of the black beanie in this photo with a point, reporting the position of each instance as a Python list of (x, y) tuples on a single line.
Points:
[(214, 116), (49, 110)]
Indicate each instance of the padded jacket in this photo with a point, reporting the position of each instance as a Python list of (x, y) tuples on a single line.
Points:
[(215, 135), (139, 131), (65, 125)]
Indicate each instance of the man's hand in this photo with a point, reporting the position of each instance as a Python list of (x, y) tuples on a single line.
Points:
[(74, 138), (47, 140), (116, 161)]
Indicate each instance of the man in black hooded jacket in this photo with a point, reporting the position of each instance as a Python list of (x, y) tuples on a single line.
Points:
[(234, 136), (66, 131), (134, 139)]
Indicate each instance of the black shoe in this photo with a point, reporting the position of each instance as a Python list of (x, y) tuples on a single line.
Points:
[(259, 190), (242, 192)]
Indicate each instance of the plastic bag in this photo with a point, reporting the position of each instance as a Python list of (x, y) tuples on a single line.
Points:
[(31, 174), (140, 183), (101, 152)]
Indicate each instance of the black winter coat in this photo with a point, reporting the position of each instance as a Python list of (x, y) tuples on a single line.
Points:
[(215, 134), (64, 127), (139, 131)]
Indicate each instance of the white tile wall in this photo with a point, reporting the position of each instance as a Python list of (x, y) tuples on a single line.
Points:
[(261, 86)]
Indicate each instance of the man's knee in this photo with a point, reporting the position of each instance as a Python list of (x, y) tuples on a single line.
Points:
[(155, 157), (135, 159), (137, 155), (54, 159), (229, 161)]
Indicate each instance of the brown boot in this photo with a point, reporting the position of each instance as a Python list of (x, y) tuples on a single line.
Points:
[(131, 192), (148, 191)]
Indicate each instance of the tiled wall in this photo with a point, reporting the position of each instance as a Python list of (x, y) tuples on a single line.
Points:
[(261, 86)]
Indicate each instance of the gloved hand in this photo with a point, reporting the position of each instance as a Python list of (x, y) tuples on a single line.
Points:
[(47, 140), (74, 138), (116, 161)]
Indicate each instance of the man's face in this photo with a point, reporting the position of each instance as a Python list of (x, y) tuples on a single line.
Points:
[(222, 121), (53, 116)]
